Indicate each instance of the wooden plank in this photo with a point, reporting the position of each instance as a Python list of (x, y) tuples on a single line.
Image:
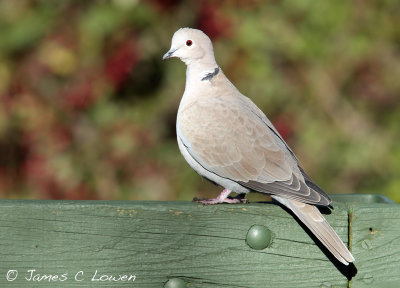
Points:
[(155, 241), (375, 239)]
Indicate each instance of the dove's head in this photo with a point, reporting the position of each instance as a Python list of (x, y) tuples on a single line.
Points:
[(191, 46)]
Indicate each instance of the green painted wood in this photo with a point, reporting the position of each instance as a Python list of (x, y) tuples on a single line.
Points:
[(375, 241), (49, 243)]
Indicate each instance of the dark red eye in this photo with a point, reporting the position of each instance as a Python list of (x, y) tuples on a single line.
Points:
[(189, 43)]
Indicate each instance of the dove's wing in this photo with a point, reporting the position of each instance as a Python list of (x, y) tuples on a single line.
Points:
[(228, 138)]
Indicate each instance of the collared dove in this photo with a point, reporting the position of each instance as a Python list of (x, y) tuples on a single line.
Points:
[(227, 139)]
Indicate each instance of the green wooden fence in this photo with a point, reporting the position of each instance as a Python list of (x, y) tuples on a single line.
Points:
[(184, 244)]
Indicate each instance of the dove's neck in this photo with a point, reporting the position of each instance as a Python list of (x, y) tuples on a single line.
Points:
[(196, 71), (198, 81)]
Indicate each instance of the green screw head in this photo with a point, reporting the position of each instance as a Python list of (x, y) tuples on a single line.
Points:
[(258, 237), (175, 283)]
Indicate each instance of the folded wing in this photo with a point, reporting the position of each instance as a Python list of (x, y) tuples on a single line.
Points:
[(232, 139)]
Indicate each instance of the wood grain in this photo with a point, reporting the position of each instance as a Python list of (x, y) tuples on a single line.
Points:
[(203, 245)]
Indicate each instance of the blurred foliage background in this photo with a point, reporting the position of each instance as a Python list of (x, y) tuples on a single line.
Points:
[(87, 107)]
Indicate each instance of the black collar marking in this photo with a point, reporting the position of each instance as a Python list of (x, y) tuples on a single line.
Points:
[(211, 75)]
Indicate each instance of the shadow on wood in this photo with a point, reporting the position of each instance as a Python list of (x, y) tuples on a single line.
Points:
[(349, 271)]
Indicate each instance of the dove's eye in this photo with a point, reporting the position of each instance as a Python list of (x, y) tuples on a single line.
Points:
[(189, 43)]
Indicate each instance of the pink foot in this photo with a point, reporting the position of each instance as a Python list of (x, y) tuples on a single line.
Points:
[(223, 198)]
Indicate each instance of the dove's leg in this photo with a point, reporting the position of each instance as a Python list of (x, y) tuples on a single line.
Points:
[(223, 198)]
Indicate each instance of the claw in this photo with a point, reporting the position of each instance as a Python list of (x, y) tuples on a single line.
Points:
[(223, 198)]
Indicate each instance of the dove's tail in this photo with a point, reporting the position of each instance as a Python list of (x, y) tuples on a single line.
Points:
[(313, 219)]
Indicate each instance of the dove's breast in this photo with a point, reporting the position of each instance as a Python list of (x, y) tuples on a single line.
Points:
[(196, 126)]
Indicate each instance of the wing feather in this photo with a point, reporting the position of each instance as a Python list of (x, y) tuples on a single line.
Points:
[(235, 140)]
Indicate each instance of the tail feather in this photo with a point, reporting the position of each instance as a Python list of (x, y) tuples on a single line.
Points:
[(313, 219)]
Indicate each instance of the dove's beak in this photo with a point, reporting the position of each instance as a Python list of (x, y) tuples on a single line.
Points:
[(169, 54)]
